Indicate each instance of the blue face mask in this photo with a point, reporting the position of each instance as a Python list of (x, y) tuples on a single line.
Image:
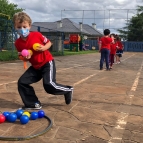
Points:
[(23, 31)]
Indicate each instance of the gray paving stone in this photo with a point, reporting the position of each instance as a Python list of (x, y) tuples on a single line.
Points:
[(137, 137), (83, 127), (135, 119), (92, 140), (69, 134), (88, 115), (127, 141), (127, 135), (138, 101), (97, 103), (99, 106), (133, 127)]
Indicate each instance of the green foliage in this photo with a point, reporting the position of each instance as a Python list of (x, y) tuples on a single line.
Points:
[(67, 52), (134, 27), (12, 55), (7, 8), (8, 55)]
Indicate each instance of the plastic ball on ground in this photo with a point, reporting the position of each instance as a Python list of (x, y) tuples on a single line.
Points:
[(41, 113), (12, 117), (19, 113), (2, 118), (24, 53), (24, 119), (6, 114), (34, 115), (26, 113)]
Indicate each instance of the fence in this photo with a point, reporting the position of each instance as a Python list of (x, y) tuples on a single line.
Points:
[(7, 35), (56, 37), (7, 41), (129, 46), (113, 19), (133, 46), (89, 44)]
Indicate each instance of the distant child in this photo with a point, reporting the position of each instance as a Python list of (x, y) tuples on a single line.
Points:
[(42, 65), (104, 48), (112, 51), (119, 51)]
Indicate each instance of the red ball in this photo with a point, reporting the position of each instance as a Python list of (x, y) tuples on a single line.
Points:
[(2, 118)]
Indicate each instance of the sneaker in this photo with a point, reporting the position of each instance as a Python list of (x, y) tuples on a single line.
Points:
[(37, 106), (68, 96), (101, 68)]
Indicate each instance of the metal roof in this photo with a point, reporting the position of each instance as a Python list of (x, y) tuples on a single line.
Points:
[(68, 26)]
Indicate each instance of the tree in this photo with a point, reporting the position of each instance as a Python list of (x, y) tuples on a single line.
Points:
[(7, 10), (133, 31)]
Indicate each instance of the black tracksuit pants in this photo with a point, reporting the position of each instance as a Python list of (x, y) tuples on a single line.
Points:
[(48, 74)]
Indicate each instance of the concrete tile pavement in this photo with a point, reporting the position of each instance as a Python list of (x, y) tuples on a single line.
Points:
[(107, 105)]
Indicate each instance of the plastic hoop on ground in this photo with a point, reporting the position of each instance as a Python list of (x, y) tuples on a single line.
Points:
[(29, 137)]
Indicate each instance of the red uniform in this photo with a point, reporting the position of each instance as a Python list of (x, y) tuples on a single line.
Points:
[(43, 67), (112, 53), (38, 59), (120, 45), (105, 42), (113, 48)]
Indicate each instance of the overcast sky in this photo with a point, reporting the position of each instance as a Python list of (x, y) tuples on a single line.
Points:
[(53, 10)]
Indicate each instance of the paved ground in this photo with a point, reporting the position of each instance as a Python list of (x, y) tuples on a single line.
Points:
[(107, 106)]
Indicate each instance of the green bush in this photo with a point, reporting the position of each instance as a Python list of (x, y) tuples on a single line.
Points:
[(68, 52), (8, 55), (12, 55)]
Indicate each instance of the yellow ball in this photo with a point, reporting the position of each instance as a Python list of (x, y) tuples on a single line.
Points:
[(26, 113), (36, 46), (31, 53)]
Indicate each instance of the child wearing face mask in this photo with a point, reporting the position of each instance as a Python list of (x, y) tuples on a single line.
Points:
[(42, 64)]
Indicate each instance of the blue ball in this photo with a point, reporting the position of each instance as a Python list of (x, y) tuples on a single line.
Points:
[(6, 114), (34, 115), (24, 119), (12, 117), (41, 113), (19, 113)]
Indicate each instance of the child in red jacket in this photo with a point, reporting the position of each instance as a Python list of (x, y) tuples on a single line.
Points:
[(119, 50), (112, 51)]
